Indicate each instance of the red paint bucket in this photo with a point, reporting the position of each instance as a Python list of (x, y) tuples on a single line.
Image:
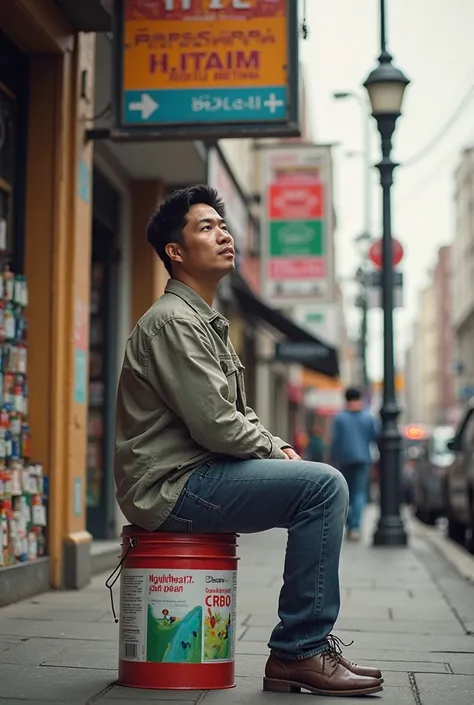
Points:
[(177, 610)]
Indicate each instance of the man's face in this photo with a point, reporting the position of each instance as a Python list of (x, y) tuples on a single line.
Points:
[(208, 250)]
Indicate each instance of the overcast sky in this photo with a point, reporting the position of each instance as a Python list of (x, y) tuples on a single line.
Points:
[(431, 41)]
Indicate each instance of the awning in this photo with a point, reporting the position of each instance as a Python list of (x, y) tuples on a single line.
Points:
[(301, 347)]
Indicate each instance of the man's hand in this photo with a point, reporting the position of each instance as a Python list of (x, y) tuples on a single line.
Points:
[(291, 454)]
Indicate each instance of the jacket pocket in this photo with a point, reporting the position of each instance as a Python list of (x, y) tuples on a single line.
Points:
[(230, 370)]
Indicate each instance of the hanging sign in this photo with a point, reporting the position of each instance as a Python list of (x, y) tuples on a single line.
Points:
[(297, 224), (194, 68)]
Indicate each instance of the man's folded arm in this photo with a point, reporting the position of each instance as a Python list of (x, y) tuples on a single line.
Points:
[(253, 418), (182, 366)]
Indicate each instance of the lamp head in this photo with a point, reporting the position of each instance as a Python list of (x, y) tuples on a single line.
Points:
[(386, 87)]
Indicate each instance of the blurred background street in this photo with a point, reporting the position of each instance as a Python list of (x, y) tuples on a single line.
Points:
[(341, 140)]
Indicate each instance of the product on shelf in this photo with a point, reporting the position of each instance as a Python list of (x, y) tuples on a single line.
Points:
[(23, 516)]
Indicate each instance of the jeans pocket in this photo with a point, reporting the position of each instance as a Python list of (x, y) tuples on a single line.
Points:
[(177, 525), (201, 505)]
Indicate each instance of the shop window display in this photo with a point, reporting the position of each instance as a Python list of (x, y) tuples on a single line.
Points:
[(23, 515)]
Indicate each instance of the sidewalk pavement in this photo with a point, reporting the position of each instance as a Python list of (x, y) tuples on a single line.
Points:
[(407, 610)]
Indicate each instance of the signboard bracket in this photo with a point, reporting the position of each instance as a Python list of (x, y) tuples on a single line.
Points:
[(92, 135)]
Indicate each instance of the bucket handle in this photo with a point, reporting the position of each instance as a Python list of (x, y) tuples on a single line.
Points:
[(116, 573)]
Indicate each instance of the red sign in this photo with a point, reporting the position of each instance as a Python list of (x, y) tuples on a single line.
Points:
[(302, 201), (294, 268), (375, 253)]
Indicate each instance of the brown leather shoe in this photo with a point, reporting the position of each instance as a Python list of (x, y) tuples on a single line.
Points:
[(322, 674), (335, 646)]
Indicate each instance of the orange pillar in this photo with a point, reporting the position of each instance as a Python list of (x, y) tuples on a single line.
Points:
[(149, 276), (76, 540), (57, 264)]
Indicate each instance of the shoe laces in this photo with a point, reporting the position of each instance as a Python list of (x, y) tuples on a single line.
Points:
[(334, 650)]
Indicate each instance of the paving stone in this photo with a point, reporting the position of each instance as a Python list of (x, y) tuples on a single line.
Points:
[(94, 656), (372, 653), (9, 643), (132, 698), (400, 626), (462, 666), (118, 694), (411, 642), (394, 599), (422, 614), (42, 613), (251, 647), (68, 630), (32, 652), (257, 619), (9, 701), (74, 599), (441, 690), (406, 666), (52, 684), (35, 651)]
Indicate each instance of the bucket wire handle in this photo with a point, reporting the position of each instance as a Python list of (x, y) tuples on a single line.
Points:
[(116, 573)]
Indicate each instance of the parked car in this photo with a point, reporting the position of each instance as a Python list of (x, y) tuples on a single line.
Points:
[(459, 482), (413, 437), (429, 475)]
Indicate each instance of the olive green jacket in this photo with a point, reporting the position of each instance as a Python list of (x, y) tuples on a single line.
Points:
[(181, 401)]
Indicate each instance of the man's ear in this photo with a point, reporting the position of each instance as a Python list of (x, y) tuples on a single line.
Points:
[(174, 252)]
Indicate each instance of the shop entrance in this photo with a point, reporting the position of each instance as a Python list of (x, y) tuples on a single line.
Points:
[(102, 360)]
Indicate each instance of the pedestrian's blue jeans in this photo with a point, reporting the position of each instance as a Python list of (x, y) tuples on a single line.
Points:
[(357, 477), (228, 495)]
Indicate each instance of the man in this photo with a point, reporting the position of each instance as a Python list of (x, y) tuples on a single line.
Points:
[(354, 433), (192, 456)]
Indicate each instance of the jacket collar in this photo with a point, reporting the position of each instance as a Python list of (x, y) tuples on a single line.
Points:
[(193, 300)]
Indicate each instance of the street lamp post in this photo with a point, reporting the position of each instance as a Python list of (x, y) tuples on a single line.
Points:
[(365, 235), (386, 86)]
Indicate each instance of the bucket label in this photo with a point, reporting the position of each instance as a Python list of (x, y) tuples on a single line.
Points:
[(177, 616)]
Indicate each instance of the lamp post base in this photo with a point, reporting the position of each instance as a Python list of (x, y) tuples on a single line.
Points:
[(390, 532)]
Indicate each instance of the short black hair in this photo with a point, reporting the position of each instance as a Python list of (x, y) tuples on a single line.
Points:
[(353, 394), (167, 222)]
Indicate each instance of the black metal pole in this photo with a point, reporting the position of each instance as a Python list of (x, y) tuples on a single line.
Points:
[(363, 339), (390, 530)]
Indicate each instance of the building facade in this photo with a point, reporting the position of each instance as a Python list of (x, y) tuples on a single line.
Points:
[(430, 381), (443, 284), (463, 282)]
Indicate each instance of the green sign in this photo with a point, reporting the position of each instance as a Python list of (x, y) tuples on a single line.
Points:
[(296, 238)]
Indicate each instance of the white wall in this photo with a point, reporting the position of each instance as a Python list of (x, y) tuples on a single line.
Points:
[(239, 155)]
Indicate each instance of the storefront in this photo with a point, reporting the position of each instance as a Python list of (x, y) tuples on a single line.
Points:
[(23, 510), (46, 98)]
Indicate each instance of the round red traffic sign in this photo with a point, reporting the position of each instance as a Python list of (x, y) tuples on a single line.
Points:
[(375, 253)]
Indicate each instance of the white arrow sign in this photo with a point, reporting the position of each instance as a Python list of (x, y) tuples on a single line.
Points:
[(146, 106)]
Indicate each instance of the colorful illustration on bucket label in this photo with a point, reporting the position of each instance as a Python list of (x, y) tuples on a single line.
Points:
[(171, 616)]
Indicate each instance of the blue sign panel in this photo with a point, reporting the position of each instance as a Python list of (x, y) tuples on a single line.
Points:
[(214, 105)]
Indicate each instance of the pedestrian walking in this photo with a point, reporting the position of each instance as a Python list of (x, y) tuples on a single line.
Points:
[(354, 433), (192, 456)]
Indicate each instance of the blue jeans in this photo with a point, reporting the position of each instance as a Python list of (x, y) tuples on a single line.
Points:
[(228, 495), (357, 477)]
